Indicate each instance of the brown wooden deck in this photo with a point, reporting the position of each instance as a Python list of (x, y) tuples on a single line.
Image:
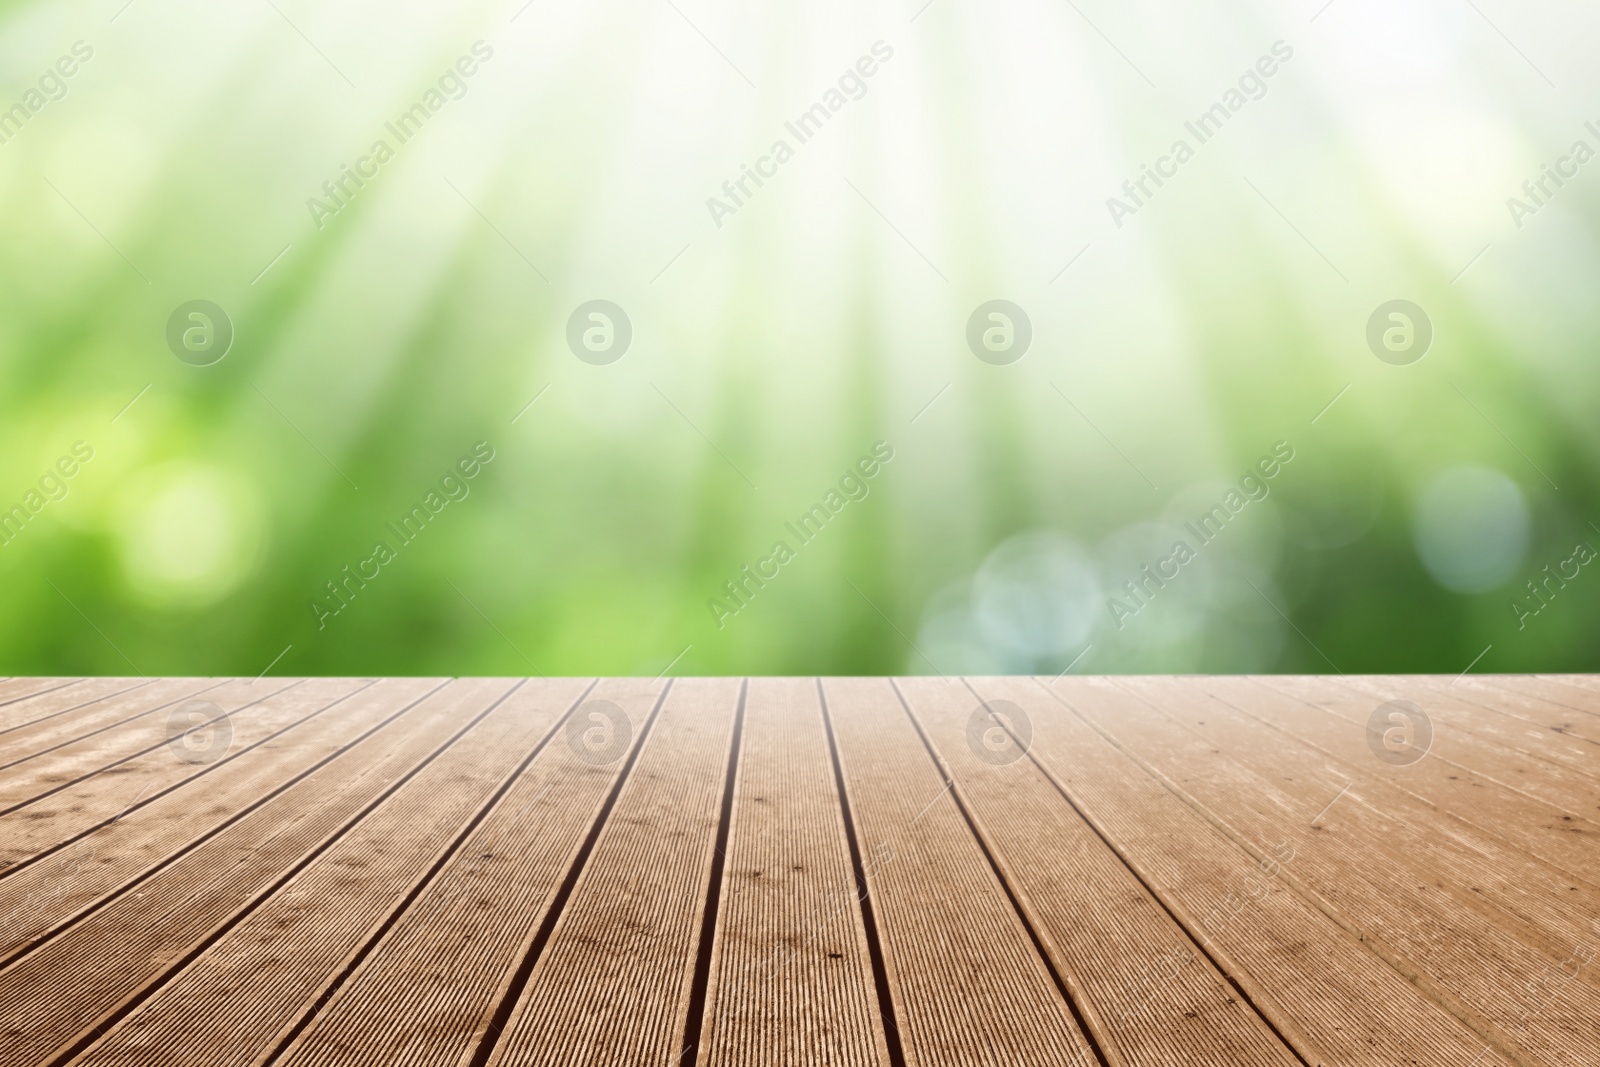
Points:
[(1115, 872)]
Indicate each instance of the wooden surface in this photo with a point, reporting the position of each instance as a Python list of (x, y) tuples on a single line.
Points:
[(868, 872)]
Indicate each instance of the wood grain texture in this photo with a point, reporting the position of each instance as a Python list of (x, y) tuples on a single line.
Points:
[(281, 956), (1567, 839), (1097, 920), (1423, 923), (1567, 789), (51, 750), (66, 874), (791, 980), (72, 809), (970, 984), (68, 988), (451, 960), (614, 983), (1301, 967), (45, 703), (862, 872), (17, 694)]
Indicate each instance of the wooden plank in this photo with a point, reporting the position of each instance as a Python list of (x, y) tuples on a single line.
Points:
[(106, 751), (1527, 732), (63, 876), (1584, 684), (1561, 837), (33, 740), (1556, 785), (58, 996), (447, 963), (614, 983), (14, 691), (762, 876), (1522, 703), (50, 701), (1298, 965), (1514, 892), (75, 808), (968, 982), (791, 979), (1096, 919), (1567, 691), (1426, 931), (280, 957)]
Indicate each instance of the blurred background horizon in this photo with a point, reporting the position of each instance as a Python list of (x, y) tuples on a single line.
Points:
[(1165, 341)]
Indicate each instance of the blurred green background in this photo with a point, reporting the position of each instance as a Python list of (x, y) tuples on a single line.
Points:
[(773, 347)]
